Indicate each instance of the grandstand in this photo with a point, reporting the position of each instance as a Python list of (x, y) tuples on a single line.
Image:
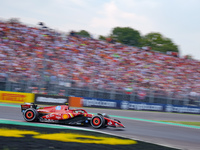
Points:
[(34, 59)]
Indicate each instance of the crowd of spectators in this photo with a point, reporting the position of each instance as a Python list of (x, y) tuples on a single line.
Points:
[(32, 53)]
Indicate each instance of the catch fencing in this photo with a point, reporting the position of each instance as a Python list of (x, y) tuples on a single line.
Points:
[(66, 88)]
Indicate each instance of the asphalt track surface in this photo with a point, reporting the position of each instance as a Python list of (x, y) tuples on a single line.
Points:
[(140, 127)]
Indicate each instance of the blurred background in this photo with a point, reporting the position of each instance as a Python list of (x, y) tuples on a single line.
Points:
[(121, 66)]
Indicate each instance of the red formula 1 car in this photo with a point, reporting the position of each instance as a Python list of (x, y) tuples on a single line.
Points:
[(63, 115)]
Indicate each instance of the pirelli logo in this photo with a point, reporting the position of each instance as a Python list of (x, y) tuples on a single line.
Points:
[(13, 97)]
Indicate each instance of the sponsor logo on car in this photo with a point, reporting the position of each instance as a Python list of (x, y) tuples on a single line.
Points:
[(109, 123), (65, 116), (58, 117), (52, 115), (58, 107)]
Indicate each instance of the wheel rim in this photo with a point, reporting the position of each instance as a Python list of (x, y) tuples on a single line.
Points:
[(96, 121), (29, 115)]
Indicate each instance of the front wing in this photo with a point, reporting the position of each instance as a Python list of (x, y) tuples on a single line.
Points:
[(113, 123)]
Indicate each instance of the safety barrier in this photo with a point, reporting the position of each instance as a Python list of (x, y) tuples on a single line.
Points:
[(130, 105), (19, 97)]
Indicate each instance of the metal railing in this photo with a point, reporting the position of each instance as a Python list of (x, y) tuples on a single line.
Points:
[(149, 96)]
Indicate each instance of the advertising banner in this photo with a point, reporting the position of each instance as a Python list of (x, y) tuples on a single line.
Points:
[(130, 105), (141, 106), (182, 109), (75, 102), (119, 104), (16, 97), (50, 99), (100, 103)]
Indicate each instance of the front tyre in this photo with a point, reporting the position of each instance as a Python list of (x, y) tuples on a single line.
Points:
[(97, 122), (30, 114)]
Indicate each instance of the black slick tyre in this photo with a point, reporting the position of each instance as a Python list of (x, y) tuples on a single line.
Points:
[(30, 114), (97, 122)]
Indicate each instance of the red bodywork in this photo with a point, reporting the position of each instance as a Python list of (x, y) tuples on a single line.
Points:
[(63, 113)]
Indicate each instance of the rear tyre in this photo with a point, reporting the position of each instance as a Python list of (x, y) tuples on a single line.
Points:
[(30, 114), (97, 122)]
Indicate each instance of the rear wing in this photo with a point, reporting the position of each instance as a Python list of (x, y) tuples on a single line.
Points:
[(27, 106)]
